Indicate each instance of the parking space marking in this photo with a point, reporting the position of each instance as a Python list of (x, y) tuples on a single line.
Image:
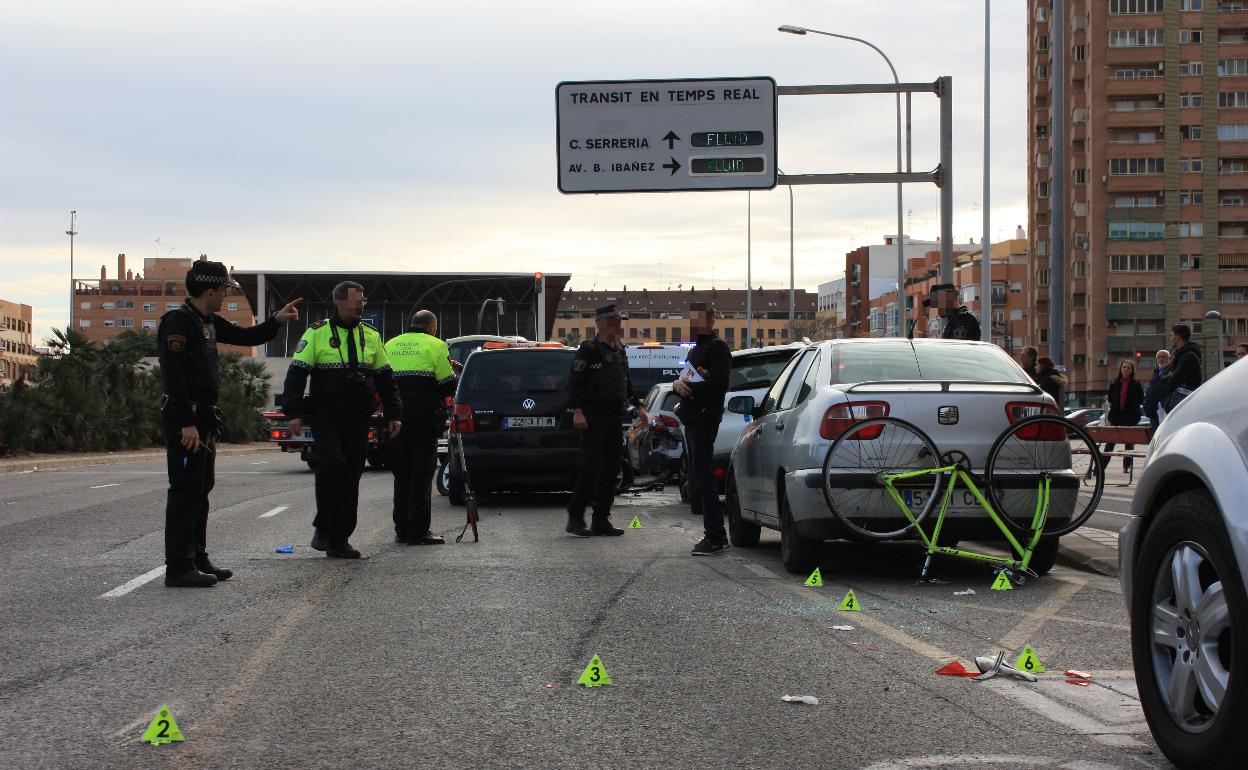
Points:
[(1056, 618), (1033, 620), (103, 486), (761, 571), (274, 512), (130, 585)]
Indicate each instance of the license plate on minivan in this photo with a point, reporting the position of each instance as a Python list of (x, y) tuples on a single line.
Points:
[(529, 422), (962, 500)]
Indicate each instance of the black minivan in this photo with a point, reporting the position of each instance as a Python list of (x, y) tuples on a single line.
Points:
[(512, 418)]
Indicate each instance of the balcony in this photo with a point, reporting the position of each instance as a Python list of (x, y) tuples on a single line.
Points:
[(1130, 344), (1135, 87), (1133, 55), (1135, 310), (1137, 118)]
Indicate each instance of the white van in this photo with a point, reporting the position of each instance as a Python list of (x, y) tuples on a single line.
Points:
[(653, 362)]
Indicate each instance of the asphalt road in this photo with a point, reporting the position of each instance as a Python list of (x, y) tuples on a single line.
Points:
[(468, 655)]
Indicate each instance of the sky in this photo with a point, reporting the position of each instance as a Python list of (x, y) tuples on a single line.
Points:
[(420, 136)]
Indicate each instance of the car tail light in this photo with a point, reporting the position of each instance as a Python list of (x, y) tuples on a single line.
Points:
[(462, 416), (839, 418), (372, 434), (1049, 431), (278, 434), (718, 473), (669, 421)]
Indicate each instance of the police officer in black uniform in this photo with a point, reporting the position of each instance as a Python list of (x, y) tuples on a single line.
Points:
[(187, 338), (597, 392), (959, 322)]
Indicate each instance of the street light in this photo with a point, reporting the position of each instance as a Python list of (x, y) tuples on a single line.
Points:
[(1214, 315), (792, 313), (901, 235), (71, 232), (481, 313)]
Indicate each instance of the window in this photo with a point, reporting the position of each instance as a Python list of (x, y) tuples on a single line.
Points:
[(149, 324), (149, 307), (1191, 165), (1042, 277), (84, 305), (1231, 199), (1079, 269), (1042, 72), (1190, 36), (792, 388), (1136, 231), (107, 305), (1042, 131), (1189, 261), (1191, 99), (1232, 67), (772, 399), (1233, 99), (1136, 6), (675, 334), (1191, 197), (1042, 190), (125, 323), (84, 323), (1124, 74), (1134, 166), (171, 306), (1191, 5), (126, 304), (1191, 68), (1079, 52), (1042, 43), (1230, 166), (109, 323), (231, 306), (1191, 294), (1123, 294), (1080, 176), (1137, 38), (1189, 229), (1137, 263)]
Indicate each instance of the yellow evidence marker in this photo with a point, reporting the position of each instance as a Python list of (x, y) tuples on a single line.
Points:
[(850, 603), (1002, 583), (163, 729), (635, 523), (595, 675), (815, 580), (1027, 661)]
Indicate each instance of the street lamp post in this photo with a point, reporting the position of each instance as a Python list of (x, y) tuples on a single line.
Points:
[(1214, 315), (792, 292), (901, 235), (71, 232)]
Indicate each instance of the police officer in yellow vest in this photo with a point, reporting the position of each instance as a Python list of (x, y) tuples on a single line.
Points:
[(422, 369), (348, 366)]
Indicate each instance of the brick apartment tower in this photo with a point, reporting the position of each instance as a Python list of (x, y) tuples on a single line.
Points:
[(1156, 128)]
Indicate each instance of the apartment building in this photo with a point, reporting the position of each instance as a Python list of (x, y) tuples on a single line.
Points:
[(17, 350), (871, 272), (107, 307), (662, 316), (1155, 113)]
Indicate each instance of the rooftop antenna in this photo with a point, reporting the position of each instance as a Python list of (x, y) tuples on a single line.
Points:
[(157, 248)]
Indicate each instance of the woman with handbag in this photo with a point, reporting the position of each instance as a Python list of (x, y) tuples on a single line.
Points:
[(1126, 399)]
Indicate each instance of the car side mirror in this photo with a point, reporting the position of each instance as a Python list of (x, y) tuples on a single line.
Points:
[(741, 405)]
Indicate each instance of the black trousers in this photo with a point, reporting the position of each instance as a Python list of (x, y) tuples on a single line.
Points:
[(340, 443), (598, 464), (191, 478), (414, 461), (700, 444)]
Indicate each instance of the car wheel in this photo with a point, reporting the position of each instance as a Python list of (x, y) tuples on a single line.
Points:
[(377, 459), (742, 533), (444, 478), (1045, 555), (455, 490), (311, 461), (1189, 635), (800, 555), (683, 486)]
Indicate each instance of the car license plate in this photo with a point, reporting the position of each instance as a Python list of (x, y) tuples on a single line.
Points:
[(529, 422), (962, 500)]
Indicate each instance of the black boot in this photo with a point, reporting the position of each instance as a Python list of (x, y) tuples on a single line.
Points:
[(602, 526), (204, 565), (320, 540), (189, 578), (426, 539), (576, 525)]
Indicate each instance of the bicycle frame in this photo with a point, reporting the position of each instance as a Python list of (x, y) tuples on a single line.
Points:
[(956, 475)]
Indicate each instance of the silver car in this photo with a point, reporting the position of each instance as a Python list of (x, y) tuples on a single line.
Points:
[(1183, 556), (963, 395)]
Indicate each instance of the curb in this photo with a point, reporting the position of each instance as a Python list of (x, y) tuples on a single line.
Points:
[(1078, 558), (47, 463)]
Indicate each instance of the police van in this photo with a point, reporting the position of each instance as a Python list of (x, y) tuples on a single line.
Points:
[(653, 362)]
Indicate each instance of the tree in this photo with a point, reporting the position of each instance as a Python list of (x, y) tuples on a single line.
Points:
[(815, 329), (573, 338)]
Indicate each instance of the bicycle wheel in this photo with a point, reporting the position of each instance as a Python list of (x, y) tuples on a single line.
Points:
[(854, 471), (1044, 447)]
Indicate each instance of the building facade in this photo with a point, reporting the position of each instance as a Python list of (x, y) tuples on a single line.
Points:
[(17, 350), (107, 307), (662, 316), (1155, 113)]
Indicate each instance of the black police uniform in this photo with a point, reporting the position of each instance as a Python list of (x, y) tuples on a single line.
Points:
[(600, 387), (962, 325), (348, 368), (191, 379)]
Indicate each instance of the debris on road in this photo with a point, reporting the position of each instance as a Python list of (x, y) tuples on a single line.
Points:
[(809, 700), (842, 628), (967, 592), (285, 549), (955, 668)]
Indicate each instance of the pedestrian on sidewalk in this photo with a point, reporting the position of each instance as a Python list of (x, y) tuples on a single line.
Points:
[(701, 388), (1126, 399), (1027, 360), (191, 379), (1153, 394), (1049, 379), (1185, 373)]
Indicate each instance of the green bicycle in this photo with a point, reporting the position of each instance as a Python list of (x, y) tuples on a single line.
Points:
[(883, 478)]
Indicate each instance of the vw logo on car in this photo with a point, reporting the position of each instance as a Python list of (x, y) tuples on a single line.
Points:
[(528, 404)]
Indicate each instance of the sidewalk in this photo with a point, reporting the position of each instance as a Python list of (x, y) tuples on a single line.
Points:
[(1090, 549), (47, 462)]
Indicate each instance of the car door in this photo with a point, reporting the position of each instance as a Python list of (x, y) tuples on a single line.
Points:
[(754, 466), (776, 436)]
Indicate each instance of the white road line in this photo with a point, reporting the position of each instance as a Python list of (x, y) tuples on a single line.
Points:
[(1113, 513), (129, 586), (274, 512), (262, 462), (102, 486)]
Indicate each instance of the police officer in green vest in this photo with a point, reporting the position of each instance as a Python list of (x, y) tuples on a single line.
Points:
[(348, 366), (422, 369)]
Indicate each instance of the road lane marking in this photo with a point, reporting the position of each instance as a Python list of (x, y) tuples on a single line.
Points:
[(274, 512), (262, 462), (761, 571), (130, 585), (103, 486), (1047, 610)]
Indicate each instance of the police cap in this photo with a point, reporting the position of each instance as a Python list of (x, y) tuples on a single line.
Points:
[(209, 274), (606, 311)]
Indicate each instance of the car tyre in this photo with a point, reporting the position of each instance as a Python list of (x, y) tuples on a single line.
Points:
[(1188, 538), (1045, 555), (443, 479), (455, 490), (741, 533), (800, 555)]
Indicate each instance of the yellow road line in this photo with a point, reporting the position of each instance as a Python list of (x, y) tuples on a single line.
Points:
[(1033, 620)]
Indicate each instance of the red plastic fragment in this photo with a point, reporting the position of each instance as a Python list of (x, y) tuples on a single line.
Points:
[(1080, 682), (955, 668)]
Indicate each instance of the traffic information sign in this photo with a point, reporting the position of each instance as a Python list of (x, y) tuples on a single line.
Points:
[(666, 135)]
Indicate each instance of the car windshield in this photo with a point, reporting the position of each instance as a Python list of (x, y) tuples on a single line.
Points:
[(518, 371), (939, 361), (758, 370)]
